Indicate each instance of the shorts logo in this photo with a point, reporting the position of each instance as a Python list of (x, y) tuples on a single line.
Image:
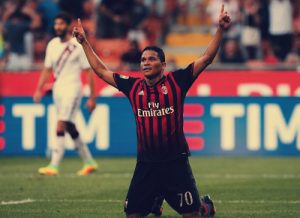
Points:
[(164, 90), (124, 77)]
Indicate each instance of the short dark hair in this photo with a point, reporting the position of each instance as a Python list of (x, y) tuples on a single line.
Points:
[(158, 50), (65, 17)]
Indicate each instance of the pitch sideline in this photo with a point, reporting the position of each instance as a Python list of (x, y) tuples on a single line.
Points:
[(113, 201)]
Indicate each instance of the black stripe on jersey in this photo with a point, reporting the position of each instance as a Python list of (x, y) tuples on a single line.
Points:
[(159, 119), (167, 130), (138, 127), (143, 127), (132, 95), (176, 105), (150, 126)]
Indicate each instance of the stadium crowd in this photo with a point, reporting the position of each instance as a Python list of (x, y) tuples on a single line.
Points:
[(263, 32)]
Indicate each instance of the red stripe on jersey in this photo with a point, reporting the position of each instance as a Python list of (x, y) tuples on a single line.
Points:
[(134, 101), (155, 118), (145, 118), (179, 115), (164, 120), (179, 97), (171, 117)]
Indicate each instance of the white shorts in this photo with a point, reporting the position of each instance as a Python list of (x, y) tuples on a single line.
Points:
[(66, 107)]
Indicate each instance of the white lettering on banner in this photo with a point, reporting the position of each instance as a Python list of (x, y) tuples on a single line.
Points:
[(276, 127), (96, 128), (253, 127), (297, 91), (203, 90), (28, 113), (51, 126), (108, 91), (227, 114), (250, 88), (282, 89)]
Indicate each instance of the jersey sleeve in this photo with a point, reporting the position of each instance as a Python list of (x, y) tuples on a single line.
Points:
[(124, 83), (184, 77), (48, 61), (83, 60)]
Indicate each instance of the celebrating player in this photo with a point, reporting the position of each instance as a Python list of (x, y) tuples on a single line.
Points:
[(162, 167), (67, 60)]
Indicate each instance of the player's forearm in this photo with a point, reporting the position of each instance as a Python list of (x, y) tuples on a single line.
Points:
[(213, 46), (45, 75), (91, 84), (96, 63)]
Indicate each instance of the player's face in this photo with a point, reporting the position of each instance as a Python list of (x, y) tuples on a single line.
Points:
[(151, 66), (61, 28)]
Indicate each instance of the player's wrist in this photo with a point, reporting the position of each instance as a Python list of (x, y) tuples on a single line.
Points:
[(221, 27), (39, 90), (92, 98), (84, 41)]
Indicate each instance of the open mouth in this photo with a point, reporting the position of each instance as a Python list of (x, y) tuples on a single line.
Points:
[(147, 69)]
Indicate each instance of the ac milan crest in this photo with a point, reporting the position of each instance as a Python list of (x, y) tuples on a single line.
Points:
[(164, 90)]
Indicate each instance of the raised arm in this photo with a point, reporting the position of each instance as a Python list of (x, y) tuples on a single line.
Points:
[(212, 49), (96, 63)]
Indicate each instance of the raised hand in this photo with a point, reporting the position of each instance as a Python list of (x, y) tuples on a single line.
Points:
[(78, 32), (37, 96), (90, 105), (224, 18)]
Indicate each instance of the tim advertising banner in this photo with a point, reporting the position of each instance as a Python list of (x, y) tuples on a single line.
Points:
[(213, 126), (210, 83)]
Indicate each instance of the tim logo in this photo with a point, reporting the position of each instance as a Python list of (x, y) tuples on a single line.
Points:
[(193, 126)]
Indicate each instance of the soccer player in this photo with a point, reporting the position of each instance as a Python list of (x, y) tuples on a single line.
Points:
[(65, 57), (157, 100)]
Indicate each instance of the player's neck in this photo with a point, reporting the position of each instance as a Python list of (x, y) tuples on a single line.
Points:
[(66, 38), (152, 81)]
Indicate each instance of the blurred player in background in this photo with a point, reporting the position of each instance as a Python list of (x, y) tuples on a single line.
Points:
[(65, 57), (162, 167)]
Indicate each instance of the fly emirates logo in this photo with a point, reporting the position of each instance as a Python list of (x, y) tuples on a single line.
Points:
[(155, 110)]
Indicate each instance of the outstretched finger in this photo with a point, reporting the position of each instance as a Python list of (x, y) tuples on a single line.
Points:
[(222, 8), (79, 23)]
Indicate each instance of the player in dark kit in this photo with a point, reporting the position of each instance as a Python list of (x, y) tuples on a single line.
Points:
[(162, 167)]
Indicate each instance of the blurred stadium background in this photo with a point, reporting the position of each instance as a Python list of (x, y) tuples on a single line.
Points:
[(242, 116)]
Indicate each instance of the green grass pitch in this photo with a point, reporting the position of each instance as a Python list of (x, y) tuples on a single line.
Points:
[(240, 186)]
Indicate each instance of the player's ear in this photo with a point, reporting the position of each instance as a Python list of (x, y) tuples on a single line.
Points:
[(164, 64)]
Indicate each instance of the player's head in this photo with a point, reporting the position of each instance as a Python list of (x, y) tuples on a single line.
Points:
[(62, 24), (152, 61)]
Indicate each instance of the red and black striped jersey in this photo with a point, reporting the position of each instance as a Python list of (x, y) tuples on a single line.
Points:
[(158, 111)]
